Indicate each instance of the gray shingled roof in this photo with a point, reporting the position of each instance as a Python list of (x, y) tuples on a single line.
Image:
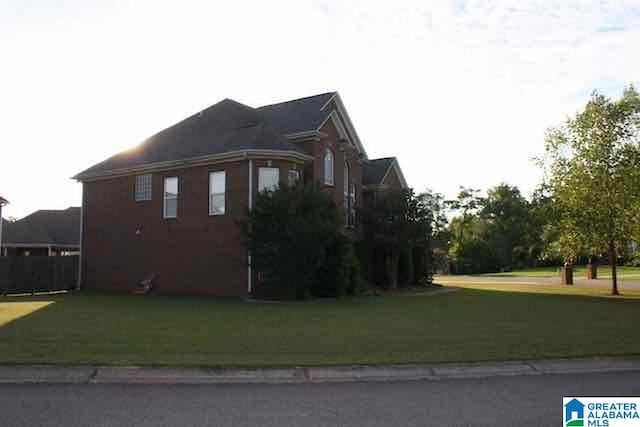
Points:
[(224, 127), (298, 115), (54, 227), (375, 169)]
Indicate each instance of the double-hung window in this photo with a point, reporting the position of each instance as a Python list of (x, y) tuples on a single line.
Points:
[(170, 202), (328, 167), (217, 189), (268, 179)]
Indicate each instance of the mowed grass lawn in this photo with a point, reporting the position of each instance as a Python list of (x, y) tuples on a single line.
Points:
[(604, 272), (470, 324)]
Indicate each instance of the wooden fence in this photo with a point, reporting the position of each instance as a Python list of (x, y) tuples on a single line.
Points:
[(30, 274)]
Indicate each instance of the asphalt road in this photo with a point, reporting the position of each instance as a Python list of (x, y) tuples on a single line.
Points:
[(499, 401)]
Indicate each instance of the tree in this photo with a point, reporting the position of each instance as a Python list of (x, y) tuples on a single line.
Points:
[(507, 215), (397, 222), (436, 206), (467, 203), (593, 169)]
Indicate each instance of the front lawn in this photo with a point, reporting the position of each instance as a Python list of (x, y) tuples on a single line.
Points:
[(471, 324)]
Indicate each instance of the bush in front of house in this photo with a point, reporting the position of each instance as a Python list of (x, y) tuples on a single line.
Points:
[(298, 248)]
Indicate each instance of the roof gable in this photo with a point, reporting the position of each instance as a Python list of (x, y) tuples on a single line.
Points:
[(375, 171)]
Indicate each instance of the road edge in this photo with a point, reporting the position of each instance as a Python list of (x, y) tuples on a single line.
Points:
[(53, 374)]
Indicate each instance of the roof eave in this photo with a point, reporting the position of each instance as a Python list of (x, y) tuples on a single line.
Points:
[(195, 161)]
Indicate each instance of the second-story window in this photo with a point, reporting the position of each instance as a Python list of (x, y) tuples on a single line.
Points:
[(217, 190), (143, 188), (328, 167), (268, 179), (170, 202), (347, 199)]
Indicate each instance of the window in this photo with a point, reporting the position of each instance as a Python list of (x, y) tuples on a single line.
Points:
[(217, 187), (170, 205), (268, 179), (328, 167), (143, 187), (347, 201), (294, 177)]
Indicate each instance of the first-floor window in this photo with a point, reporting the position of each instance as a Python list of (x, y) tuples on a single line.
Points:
[(217, 189), (170, 205), (268, 179)]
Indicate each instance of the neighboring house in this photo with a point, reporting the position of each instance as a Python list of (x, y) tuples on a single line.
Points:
[(44, 232), (168, 208)]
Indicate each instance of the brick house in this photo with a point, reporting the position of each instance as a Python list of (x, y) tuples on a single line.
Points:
[(169, 207)]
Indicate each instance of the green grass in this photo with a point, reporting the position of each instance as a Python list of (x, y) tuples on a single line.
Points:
[(470, 324), (604, 272)]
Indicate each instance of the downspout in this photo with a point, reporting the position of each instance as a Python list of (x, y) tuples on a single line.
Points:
[(249, 272), (80, 258)]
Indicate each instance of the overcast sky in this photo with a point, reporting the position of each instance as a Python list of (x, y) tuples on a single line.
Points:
[(460, 91)]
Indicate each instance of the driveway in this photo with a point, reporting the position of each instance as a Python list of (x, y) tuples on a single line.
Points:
[(520, 400), (604, 283)]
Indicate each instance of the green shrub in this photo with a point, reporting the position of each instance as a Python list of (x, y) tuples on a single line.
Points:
[(634, 261), (298, 248)]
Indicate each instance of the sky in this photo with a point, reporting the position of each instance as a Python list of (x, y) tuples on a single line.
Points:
[(460, 91)]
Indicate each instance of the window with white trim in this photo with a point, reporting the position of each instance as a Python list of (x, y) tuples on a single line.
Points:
[(268, 179), (328, 167), (217, 191), (346, 203), (170, 202), (143, 188)]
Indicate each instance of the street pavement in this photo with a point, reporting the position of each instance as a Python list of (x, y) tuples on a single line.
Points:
[(528, 400)]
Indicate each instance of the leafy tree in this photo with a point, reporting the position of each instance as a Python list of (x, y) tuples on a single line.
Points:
[(435, 204), (467, 204), (507, 215), (296, 244), (396, 222), (593, 167)]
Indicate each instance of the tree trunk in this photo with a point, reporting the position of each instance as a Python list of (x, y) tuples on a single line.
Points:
[(566, 274), (613, 261)]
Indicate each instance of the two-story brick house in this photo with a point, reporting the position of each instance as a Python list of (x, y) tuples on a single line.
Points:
[(169, 207)]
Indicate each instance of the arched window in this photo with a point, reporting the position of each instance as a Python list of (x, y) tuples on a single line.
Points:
[(328, 167), (346, 204)]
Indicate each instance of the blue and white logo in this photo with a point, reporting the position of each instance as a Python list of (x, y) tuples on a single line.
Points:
[(601, 411)]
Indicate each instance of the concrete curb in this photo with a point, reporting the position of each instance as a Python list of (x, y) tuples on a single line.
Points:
[(152, 375)]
